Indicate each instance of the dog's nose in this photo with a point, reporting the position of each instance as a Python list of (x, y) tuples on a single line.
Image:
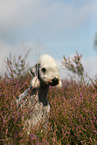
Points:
[(55, 81)]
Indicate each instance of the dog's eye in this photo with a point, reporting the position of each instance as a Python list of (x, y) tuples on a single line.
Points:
[(43, 70)]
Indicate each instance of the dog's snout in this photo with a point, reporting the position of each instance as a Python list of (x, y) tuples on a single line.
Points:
[(55, 81)]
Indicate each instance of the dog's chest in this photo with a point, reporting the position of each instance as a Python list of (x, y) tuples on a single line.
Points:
[(37, 112)]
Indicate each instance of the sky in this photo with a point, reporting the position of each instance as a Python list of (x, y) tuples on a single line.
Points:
[(59, 28)]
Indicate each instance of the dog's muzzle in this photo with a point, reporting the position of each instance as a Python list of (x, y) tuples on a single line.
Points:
[(54, 82)]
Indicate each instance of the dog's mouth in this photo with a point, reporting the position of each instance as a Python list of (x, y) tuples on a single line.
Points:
[(52, 84)]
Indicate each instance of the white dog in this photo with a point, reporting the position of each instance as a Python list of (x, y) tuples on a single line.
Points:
[(44, 73)]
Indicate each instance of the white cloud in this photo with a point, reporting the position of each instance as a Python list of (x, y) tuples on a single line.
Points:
[(49, 15), (18, 14)]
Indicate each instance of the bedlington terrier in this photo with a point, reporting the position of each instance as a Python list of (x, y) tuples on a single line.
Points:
[(45, 73)]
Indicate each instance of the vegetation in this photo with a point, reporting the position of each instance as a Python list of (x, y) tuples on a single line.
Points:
[(73, 115)]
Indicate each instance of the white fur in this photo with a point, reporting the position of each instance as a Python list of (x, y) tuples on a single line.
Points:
[(47, 62), (44, 73)]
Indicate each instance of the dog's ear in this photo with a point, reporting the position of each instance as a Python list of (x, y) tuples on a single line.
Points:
[(35, 83), (34, 71)]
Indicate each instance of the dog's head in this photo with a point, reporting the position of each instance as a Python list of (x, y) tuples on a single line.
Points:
[(46, 72)]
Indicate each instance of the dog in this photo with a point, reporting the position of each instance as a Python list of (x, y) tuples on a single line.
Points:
[(45, 73)]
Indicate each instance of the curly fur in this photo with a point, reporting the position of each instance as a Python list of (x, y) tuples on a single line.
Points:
[(45, 73)]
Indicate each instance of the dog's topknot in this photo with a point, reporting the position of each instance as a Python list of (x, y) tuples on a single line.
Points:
[(45, 59)]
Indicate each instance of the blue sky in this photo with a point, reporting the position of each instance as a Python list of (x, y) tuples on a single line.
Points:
[(49, 26)]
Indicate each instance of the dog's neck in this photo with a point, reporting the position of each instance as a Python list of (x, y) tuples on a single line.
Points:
[(42, 94)]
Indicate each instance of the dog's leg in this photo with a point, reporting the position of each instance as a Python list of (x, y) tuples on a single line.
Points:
[(22, 97)]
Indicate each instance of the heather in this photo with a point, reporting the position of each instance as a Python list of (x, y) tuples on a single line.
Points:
[(73, 115)]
